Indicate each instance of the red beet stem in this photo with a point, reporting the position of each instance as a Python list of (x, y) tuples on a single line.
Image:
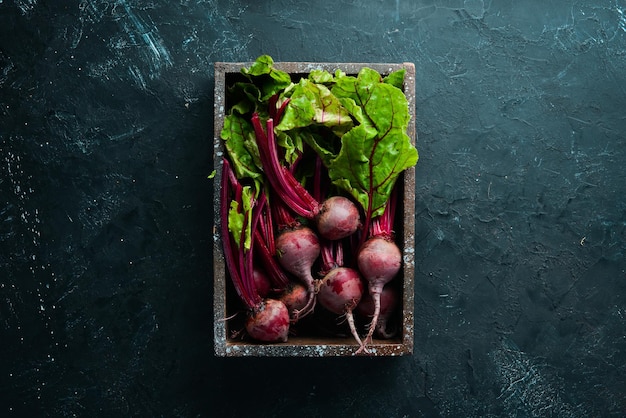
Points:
[(327, 254), (332, 255), (320, 180), (383, 225), (266, 257), (279, 112), (287, 187), (266, 228), (283, 217), (247, 275), (232, 257)]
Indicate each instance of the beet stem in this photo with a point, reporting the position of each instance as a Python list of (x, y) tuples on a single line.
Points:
[(248, 274), (230, 257), (281, 110), (281, 179), (276, 274)]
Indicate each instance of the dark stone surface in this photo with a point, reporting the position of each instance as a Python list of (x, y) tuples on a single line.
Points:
[(105, 147)]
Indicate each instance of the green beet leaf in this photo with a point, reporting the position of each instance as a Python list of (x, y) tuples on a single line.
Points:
[(292, 145), (374, 153), (321, 76), (244, 98), (240, 218), (312, 109), (323, 145), (238, 136), (314, 104), (270, 80), (395, 78)]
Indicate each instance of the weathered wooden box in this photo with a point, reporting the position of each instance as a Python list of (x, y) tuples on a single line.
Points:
[(311, 341)]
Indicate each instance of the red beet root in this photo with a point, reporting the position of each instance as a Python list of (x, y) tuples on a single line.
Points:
[(340, 292), (295, 297), (379, 261), (297, 250), (338, 218), (269, 322)]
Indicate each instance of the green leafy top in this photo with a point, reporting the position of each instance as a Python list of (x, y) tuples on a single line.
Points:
[(314, 104), (269, 80), (264, 82), (375, 152), (356, 124), (368, 117)]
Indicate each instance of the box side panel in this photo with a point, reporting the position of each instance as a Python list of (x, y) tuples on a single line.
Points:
[(318, 348), (408, 252), (307, 67), (219, 274)]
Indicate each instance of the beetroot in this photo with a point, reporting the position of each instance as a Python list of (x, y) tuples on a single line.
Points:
[(379, 261), (297, 250), (389, 299), (338, 218), (341, 289), (340, 292), (269, 322), (295, 297)]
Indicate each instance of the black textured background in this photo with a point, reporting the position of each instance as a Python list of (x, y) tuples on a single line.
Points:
[(105, 265)]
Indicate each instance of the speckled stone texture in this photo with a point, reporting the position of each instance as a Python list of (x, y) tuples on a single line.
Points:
[(106, 240)]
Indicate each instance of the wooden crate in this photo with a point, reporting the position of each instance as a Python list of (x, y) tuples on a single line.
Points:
[(311, 342)]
